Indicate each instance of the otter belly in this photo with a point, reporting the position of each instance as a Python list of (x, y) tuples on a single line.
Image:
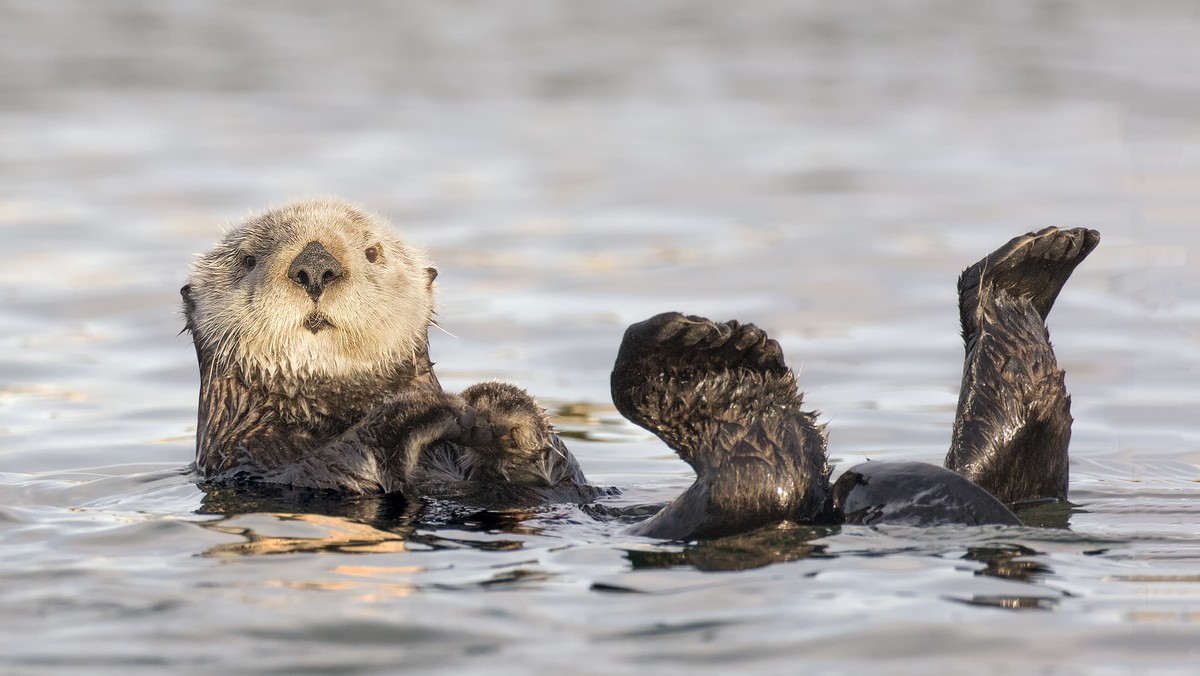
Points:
[(914, 494)]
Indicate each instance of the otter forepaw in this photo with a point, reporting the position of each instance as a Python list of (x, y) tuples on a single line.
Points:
[(508, 421), (469, 428), (523, 448)]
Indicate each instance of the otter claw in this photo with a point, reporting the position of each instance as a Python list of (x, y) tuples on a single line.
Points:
[(695, 334), (720, 336), (466, 418), (470, 428), (673, 328), (772, 355), (750, 337)]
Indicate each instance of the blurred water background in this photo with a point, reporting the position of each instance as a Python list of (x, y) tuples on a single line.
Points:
[(824, 170)]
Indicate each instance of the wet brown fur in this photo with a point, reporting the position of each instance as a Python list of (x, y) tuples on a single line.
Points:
[(333, 388), (721, 396), (330, 386)]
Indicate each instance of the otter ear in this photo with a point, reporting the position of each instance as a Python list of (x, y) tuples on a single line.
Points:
[(189, 303), (432, 273)]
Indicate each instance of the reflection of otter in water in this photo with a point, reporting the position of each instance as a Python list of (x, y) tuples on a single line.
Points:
[(310, 325), (723, 398)]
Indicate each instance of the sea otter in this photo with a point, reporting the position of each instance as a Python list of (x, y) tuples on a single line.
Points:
[(310, 323), (721, 396)]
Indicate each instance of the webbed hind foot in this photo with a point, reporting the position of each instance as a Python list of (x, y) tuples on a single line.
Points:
[(672, 374), (1013, 423), (1033, 266), (721, 396)]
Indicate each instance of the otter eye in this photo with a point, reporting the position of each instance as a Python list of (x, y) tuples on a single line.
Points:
[(249, 262), (372, 254)]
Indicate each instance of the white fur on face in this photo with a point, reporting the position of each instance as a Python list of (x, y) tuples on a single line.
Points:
[(255, 317)]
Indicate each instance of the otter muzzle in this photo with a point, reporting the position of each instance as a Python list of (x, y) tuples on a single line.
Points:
[(314, 269)]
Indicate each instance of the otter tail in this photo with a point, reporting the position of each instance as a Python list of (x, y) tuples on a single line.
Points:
[(1013, 423), (721, 396)]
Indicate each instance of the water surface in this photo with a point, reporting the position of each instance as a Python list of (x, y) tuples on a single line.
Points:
[(822, 171)]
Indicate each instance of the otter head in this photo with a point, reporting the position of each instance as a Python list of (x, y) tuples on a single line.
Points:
[(311, 291)]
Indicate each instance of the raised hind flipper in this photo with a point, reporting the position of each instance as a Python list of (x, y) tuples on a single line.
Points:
[(720, 395), (1013, 423)]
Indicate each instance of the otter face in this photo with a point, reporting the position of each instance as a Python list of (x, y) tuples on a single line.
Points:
[(315, 288)]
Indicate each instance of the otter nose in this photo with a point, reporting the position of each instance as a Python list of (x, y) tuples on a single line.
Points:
[(314, 269)]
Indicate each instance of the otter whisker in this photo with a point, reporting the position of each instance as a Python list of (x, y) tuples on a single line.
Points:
[(437, 326)]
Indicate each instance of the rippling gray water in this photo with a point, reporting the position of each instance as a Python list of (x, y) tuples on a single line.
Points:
[(823, 171)]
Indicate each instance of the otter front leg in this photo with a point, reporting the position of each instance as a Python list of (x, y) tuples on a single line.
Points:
[(406, 427), (512, 440), (377, 454)]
